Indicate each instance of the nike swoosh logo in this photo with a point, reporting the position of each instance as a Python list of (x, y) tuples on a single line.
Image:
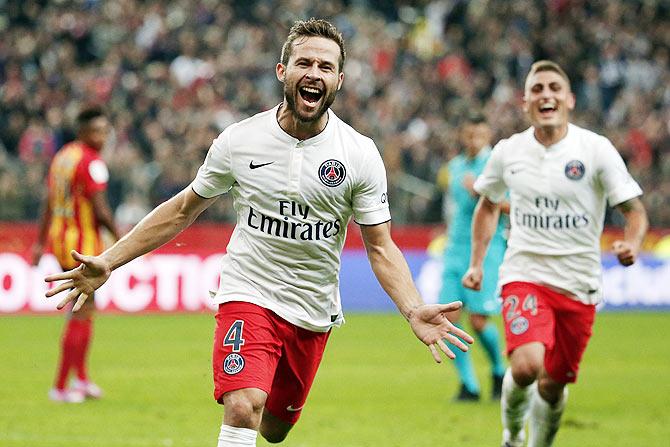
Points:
[(290, 408), (260, 165)]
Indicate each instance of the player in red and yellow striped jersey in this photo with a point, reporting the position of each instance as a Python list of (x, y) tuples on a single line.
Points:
[(75, 211)]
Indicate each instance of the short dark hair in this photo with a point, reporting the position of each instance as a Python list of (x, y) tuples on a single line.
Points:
[(313, 28), (87, 115), (474, 117), (547, 65)]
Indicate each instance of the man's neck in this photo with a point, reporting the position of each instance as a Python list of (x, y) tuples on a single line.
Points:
[(550, 135), (471, 154), (89, 145), (302, 130)]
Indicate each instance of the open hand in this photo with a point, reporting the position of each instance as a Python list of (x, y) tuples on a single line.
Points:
[(81, 281), (431, 325)]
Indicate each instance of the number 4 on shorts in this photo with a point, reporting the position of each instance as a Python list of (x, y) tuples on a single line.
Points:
[(234, 336)]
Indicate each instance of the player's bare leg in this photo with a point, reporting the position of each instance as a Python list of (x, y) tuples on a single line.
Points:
[(526, 363), (242, 417), (273, 429), (546, 409)]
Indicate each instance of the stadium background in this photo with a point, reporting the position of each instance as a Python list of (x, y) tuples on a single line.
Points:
[(173, 74)]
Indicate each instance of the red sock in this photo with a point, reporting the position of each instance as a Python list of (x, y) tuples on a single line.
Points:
[(67, 352), (85, 331)]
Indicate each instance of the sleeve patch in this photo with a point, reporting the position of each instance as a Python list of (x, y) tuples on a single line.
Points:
[(98, 171)]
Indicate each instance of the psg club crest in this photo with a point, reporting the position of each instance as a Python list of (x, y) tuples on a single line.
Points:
[(233, 363), (519, 325), (574, 170), (332, 173)]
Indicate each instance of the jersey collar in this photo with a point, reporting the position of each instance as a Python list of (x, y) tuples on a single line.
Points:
[(562, 143), (483, 153), (281, 133)]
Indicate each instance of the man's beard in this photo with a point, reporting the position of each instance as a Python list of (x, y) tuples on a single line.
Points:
[(290, 103)]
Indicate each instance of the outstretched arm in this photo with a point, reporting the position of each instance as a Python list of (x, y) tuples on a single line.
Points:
[(429, 322), (637, 223), (158, 227), (484, 222)]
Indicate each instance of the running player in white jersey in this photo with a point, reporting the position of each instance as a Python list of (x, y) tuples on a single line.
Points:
[(297, 174), (560, 178)]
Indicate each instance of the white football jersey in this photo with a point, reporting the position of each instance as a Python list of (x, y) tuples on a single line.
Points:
[(293, 200), (558, 197)]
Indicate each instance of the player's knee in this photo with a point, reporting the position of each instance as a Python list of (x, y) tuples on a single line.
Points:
[(550, 390), (526, 362), (478, 322), (273, 436), (273, 429), (525, 371), (242, 410)]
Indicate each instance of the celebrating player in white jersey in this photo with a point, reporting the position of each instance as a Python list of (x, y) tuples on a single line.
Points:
[(560, 178), (297, 174)]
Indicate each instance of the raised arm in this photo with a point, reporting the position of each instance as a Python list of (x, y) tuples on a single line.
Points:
[(429, 322), (158, 227), (484, 223), (637, 223)]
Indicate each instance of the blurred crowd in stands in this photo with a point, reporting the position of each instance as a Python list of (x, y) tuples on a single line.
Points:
[(172, 74)]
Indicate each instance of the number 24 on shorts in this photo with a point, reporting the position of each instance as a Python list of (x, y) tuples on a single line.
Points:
[(234, 336), (512, 303)]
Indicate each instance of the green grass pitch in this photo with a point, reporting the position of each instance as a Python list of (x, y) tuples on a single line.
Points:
[(377, 386)]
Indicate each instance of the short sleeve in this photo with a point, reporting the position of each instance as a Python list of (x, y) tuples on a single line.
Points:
[(95, 176), (490, 182), (370, 199), (618, 185), (215, 176)]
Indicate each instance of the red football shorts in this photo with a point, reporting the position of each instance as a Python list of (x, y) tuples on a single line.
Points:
[(255, 348), (534, 313)]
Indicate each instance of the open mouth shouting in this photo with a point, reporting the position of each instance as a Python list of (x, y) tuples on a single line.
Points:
[(310, 95), (548, 109)]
